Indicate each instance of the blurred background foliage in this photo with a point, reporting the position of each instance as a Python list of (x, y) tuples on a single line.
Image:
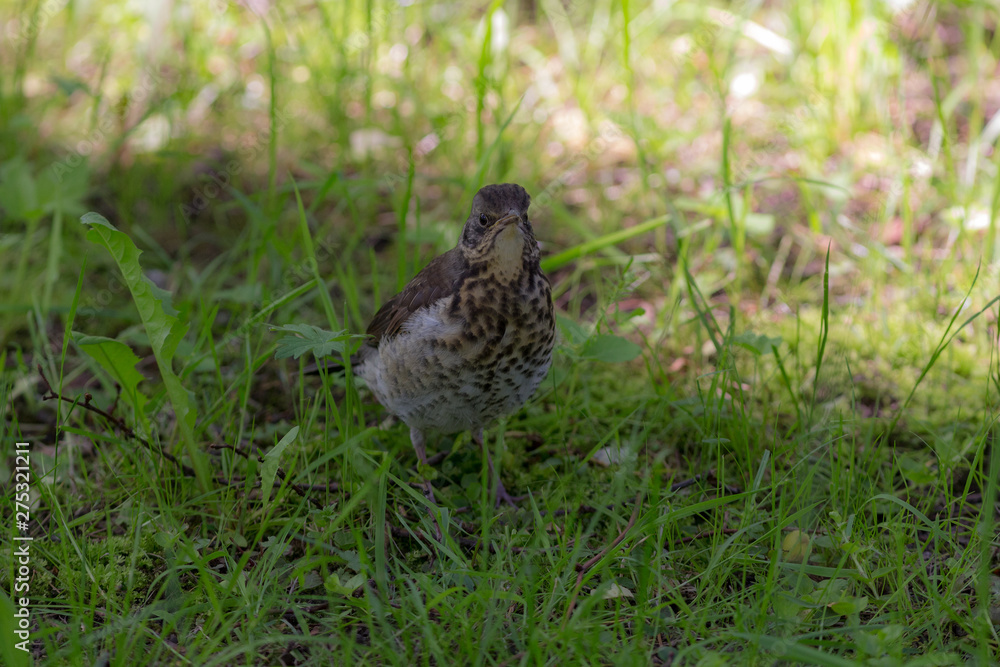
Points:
[(762, 134)]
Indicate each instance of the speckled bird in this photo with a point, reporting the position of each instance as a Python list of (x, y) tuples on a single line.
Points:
[(470, 338)]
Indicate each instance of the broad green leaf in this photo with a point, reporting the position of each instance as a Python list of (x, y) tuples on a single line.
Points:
[(787, 607), (158, 316), (915, 469), (757, 343), (572, 332), (610, 348), (269, 468), (19, 191), (850, 606), (162, 326), (308, 338), (67, 85), (119, 361), (827, 592), (334, 587), (64, 188)]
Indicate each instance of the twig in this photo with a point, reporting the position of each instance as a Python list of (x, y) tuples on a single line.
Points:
[(674, 488), (709, 533), (697, 478), (582, 569), (116, 422), (290, 615), (437, 458), (329, 486), (119, 424)]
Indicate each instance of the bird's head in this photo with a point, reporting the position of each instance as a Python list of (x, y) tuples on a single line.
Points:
[(498, 232)]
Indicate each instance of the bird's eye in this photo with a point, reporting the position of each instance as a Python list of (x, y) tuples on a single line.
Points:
[(483, 220)]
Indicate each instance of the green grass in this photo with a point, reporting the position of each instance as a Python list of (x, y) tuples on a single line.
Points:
[(789, 210)]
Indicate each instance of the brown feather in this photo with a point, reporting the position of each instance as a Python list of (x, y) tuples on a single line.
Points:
[(438, 279)]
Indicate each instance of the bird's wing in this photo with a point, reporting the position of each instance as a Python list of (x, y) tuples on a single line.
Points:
[(438, 279)]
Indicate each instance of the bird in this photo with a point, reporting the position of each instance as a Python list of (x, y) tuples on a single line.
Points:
[(469, 339)]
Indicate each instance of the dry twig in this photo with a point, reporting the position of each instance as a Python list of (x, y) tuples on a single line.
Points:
[(585, 567), (126, 430)]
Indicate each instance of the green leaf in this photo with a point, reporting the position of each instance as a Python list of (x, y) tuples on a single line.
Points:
[(119, 361), (67, 86), (915, 469), (757, 343), (610, 348), (269, 468), (96, 219), (571, 331), (334, 587), (64, 188), (163, 296), (849, 606), (787, 607), (159, 319), (308, 338), (164, 329), (828, 592), (19, 191)]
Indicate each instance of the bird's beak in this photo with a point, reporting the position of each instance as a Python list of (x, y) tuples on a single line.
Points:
[(508, 220)]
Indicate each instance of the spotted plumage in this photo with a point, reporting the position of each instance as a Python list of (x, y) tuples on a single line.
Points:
[(470, 338)]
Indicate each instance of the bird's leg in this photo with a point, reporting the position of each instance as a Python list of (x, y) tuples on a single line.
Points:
[(502, 495), (417, 438)]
